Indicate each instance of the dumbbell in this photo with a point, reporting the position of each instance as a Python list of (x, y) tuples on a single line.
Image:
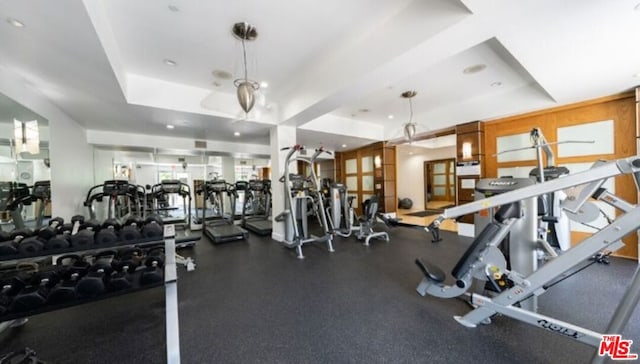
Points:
[(31, 245), (64, 291), (9, 288), (34, 295), (83, 238), (131, 229), (130, 257), (58, 242), (109, 232), (70, 269), (104, 261), (50, 231), (5, 300), (92, 284), (153, 227), (91, 224), (70, 264), (72, 228), (10, 246), (111, 224), (128, 260), (155, 254), (152, 271)]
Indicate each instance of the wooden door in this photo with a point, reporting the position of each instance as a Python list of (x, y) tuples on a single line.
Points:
[(440, 180)]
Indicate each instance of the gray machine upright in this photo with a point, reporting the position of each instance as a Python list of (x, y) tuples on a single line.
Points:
[(301, 192), (521, 243)]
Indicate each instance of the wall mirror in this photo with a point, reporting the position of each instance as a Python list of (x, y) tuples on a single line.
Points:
[(24, 159)]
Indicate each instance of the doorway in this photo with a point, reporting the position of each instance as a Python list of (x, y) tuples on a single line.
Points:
[(439, 183)]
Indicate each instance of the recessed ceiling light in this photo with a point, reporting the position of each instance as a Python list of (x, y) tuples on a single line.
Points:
[(236, 133), (496, 84), (222, 74), (474, 69), (363, 110), (344, 145), (15, 22), (170, 126), (264, 84), (170, 63), (390, 116), (174, 8)]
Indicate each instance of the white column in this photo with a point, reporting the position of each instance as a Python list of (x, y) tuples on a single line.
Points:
[(229, 169), (281, 136)]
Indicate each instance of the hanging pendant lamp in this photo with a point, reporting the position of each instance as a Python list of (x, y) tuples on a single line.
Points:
[(409, 128), (246, 88)]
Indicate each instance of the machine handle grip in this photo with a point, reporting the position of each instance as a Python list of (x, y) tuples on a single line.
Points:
[(434, 228), (295, 147)]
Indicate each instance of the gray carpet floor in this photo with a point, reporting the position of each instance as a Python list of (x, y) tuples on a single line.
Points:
[(254, 302)]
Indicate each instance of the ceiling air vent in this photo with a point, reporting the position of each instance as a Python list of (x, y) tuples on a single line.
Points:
[(201, 144), (303, 152)]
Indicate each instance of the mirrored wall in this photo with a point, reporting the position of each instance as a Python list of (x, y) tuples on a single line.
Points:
[(147, 167), (24, 157)]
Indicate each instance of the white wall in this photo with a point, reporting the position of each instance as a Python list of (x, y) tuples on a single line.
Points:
[(71, 156), (410, 170)]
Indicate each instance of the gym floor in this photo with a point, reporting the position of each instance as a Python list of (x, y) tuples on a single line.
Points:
[(255, 302)]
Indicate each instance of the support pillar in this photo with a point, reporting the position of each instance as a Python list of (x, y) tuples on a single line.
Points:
[(280, 136)]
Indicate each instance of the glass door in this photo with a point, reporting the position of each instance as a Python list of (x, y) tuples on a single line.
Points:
[(441, 179)]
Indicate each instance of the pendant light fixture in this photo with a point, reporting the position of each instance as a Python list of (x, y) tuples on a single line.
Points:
[(26, 136), (409, 128), (246, 88)]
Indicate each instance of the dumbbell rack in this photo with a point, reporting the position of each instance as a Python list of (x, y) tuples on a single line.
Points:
[(170, 283)]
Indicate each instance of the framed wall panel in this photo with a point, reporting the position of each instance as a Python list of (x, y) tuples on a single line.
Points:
[(515, 141), (600, 132)]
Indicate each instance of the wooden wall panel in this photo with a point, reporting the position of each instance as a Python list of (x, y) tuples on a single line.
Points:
[(384, 175), (619, 108)]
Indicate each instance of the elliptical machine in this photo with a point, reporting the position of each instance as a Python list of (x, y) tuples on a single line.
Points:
[(297, 197)]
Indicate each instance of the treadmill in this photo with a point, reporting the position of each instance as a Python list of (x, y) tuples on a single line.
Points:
[(13, 197), (123, 199), (220, 228), (258, 221), (41, 193), (167, 187)]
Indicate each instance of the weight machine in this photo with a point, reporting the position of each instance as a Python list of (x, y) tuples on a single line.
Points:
[(553, 225), (342, 215), (484, 261), (297, 196)]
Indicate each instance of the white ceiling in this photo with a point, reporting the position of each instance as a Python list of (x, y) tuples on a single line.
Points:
[(102, 62), (9, 110)]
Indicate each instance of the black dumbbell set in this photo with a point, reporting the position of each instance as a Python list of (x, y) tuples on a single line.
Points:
[(80, 234), (76, 279)]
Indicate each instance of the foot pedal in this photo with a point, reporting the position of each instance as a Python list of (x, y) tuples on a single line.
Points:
[(430, 271)]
